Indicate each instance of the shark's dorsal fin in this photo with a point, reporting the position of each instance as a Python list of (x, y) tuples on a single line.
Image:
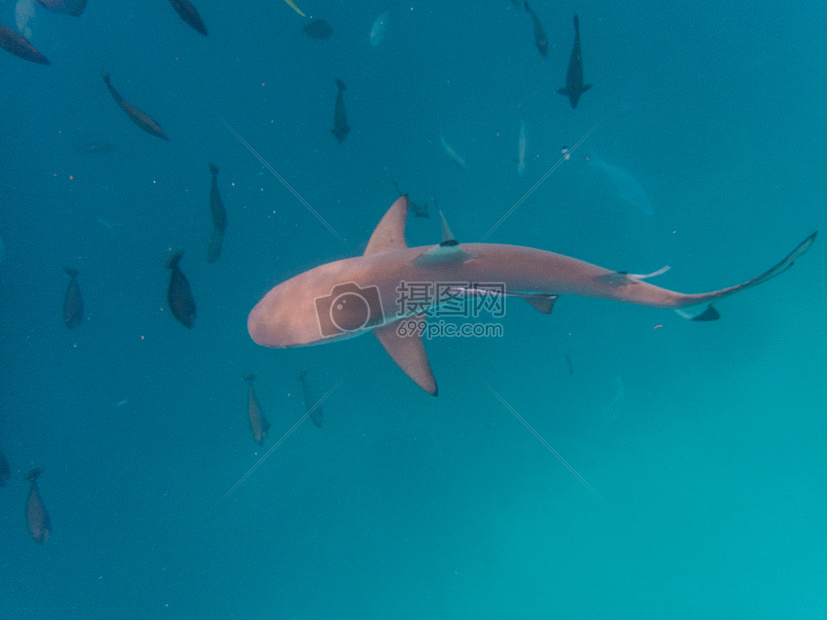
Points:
[(389, 234), (448, 251), (409, 352), (447, 235)]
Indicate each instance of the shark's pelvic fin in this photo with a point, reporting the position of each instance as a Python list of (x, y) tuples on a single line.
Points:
[(389, 234), (541, 303), (409, 351)]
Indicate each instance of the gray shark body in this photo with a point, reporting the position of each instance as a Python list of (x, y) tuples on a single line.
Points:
[(357, 295)]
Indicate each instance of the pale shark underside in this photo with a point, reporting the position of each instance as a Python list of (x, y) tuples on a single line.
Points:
[(353, 296)]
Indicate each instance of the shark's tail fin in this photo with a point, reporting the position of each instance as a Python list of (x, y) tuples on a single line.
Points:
[(699, 307)]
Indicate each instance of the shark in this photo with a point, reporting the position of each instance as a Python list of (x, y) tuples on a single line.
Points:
[(369, 293)]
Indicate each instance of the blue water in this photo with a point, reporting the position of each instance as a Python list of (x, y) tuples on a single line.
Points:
[(708, 442)]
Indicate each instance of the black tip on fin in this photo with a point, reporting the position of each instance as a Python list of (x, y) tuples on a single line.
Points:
[(710, 314)]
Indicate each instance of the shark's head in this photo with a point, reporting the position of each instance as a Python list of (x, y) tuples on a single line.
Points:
[(317, 306)]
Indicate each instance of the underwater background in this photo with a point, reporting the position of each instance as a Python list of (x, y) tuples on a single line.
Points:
[(707, 441)]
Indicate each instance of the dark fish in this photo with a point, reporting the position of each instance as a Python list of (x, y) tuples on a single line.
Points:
[(17, 44), (540, 39), (574, 77), (219, 218), (219, 215), (139, 117), (67, 7), (187, 12), (216, 245), (258, 423), (72, 301), (36, 516), (340, 127), (419, 210), (4, 470), (315, 414), (179, 294), (570, 365), (318, 29)]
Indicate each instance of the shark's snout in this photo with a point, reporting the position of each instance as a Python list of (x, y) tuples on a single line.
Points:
[(257, 328)]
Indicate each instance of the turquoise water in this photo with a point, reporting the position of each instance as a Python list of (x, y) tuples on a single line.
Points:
[(707, 442)]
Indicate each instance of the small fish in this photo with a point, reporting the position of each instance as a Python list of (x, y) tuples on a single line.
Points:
[(258, 423), (72, 301), (179, 294), (216, 245), (4, 470), (377, 30), (419, 210), (521, 150), (628, 187), (316, 414), (459, 161), (540, 38), (293, 6), (24, 14), (36, 516), (574, 76), (139, 117), (219, 214), (318, 29), (187, 12), (94, 147), (18, 45), (570, 365), (67, 7), (340, 126), (108, 225)]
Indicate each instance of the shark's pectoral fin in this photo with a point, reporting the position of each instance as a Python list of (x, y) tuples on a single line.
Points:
[(408, 351), (586, 87), (541, 303), (563, 91)]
